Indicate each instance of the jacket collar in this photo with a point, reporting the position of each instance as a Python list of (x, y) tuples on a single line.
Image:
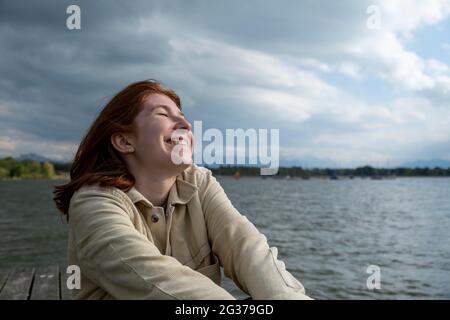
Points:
[(180, 193)]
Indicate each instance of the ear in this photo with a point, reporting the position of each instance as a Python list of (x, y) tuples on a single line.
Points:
[(121, 143)]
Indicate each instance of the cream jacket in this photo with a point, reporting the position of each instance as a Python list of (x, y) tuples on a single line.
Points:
[(127, 248)]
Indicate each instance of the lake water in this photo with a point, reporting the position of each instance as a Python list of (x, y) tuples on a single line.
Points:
[(327, 232)]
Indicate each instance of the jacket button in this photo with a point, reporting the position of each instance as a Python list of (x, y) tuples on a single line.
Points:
[(155, 218)]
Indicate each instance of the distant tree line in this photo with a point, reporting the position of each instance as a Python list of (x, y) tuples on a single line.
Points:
[(12, 168), (366, 171), (27, 169)]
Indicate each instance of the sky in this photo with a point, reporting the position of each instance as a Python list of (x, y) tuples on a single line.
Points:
[(344, 84)]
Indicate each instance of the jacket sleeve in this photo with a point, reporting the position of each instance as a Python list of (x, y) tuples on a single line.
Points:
[(115, 256), (242, 250)]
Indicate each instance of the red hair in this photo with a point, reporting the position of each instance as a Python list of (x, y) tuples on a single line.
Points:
[(96, 160)]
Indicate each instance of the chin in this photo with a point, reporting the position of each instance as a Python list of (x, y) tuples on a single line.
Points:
[(181, 159), (176, 169), (180, 164), (186, 163)]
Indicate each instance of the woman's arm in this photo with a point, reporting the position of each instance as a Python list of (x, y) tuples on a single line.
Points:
[(115, 256), (242, 250)]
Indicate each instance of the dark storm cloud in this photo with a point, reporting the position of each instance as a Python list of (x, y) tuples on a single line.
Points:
[(63, 77), (294, 27), (50, 74)]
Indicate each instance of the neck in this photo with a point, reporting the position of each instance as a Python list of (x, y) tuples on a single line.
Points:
[(155, 187)]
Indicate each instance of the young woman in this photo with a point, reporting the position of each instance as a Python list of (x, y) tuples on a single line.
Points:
[(145, 222)]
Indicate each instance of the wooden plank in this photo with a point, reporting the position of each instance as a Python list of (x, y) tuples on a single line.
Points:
[(18, 285), (3, 276), (66, 294), (46, 283)]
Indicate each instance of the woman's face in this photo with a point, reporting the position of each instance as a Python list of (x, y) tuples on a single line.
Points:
[(163, 137)]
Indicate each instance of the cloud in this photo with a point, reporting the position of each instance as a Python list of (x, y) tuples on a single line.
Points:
[(306, 67), (405, 16)]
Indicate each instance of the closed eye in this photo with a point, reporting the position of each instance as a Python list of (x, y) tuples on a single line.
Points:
[(163, 114)]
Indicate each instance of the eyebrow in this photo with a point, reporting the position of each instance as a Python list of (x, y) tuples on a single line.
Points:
[(167, 108)]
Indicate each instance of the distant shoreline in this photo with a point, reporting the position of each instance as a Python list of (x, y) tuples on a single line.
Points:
[(362, 172), (40, 178), (11, 169), (275, 177)]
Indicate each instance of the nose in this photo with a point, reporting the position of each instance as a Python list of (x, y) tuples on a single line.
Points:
[(182, 123)]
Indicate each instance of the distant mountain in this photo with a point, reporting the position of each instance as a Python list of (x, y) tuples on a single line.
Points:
[(432, 163), (32, 156)]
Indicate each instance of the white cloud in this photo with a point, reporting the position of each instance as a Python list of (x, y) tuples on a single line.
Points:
[(53, 150), (350, 69), (407, 15), (357, 131), (285, 91), (6, 145), (314, 64)]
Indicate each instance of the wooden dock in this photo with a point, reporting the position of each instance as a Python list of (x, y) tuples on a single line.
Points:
[(39, 283)]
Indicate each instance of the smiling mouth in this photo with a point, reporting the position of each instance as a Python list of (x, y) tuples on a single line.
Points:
[(180, 141)]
